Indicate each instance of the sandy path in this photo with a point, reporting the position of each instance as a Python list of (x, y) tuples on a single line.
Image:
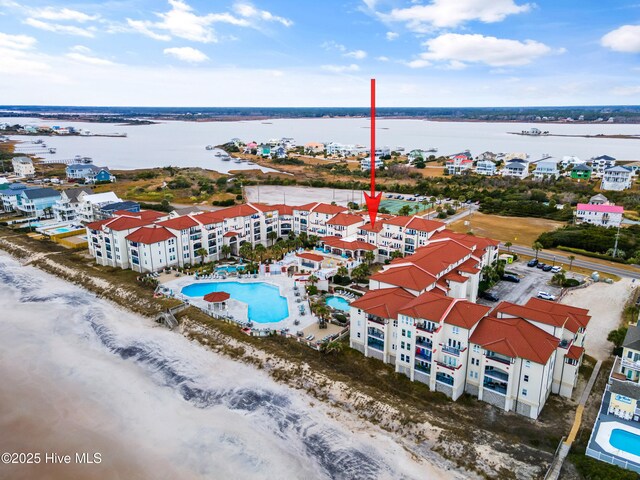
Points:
[(605, 303)]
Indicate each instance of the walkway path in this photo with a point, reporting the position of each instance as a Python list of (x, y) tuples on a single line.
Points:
[(556, 466)]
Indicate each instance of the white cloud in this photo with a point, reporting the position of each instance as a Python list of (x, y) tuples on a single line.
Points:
[(391, 36), (247, 10), (449, 14), (186, 54), (80, 49), (182, 22), (458, 49), (626, 91), (623, 39), (357, 54), (17, 42), (419, 63), (62, 14), (341, 68), (83, 54), (382, 58), (58, 28)]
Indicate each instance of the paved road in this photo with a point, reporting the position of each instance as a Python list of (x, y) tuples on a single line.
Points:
[(596, 267)]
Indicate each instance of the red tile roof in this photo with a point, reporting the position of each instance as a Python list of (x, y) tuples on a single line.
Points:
[(218, 216), (514, 310), (306, 206), (425, 225), (455, 277), (345, 219), (263, 207), (216, 297), (515, 338), (98, 225), (437, 308), (310, 256), (126, 223), (284, 209), (399, 221), (575, 352), (549, 313), (470, 266), (579, 315), (329, 209), (143, 214), (383, 303), (408, 276), (184, 222), (367, 227), (150, 235), (337, 242), (437, 257)]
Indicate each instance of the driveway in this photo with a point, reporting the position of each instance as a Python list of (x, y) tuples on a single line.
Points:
[(532, 280)]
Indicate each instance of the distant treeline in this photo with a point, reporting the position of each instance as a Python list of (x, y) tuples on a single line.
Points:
[(110, 114)]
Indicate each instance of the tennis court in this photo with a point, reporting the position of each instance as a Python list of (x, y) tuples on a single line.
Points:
[(394, 206)]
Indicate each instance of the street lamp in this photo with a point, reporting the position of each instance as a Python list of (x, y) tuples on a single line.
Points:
[(554, 261)]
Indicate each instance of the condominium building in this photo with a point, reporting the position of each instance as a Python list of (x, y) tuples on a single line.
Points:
[(616, 178), (23, 167)]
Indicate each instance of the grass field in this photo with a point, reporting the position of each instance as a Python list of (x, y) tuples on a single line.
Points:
[(517, 230)]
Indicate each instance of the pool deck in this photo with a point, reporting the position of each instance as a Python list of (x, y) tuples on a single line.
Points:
[(239, 310), (599, 445)]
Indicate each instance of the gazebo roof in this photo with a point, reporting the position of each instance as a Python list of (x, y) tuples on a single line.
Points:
[(216, 297)]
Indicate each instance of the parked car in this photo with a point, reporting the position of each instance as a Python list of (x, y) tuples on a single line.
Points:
[(547, 268), (510, 278), (556, 269), (532, 263), (489, 296), (540, 265), (546, 296)]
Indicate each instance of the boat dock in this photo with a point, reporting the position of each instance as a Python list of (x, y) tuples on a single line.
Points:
[(66, 161)]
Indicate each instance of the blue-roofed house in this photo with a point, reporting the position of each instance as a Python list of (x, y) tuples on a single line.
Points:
[(37, 202), (67, 207), (9, 196), (89, 173), (107, 211)]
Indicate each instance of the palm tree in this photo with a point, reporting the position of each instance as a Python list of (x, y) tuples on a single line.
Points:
[(343, 271), (246, 251), (508, 245), (272, 236), (225, 250), (405, 210), (537, 246), (201, 252), (332, 347), (313, 240), (360, 273), (396, 254), (369, 257), (260, 250), (571, 259), (312, 280), (276, 251)]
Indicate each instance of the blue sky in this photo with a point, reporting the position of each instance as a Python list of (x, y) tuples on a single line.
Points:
[(319, 53)]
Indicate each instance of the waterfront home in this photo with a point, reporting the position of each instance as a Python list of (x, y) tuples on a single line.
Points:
[(601, 163), (616, 178), (416, 154), (458, 164), (89, 205), (601, 214), (571, 160), (313, 147), (67, 207), (581, 172), (279, 152), (365, 163), (264, 150), (23, 167), (516, 168), (9, 193), (547, 168), (485, 167), (624, 380), (89, 173), (108, 210), (487, 156), (37, 202)]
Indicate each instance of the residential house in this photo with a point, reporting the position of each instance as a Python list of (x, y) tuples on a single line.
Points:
[(365, 163), (89, 173), (547, 168), (603, 215), (515, 168), (581, 172), (9, 193), (313, 147), (616, 179), (601, 163), (458, 164), (485, 167), (414, 155), (623, 388), (37, 202), (23, 167), (571, 160), (68, 205), (599, 199), (90, 204)]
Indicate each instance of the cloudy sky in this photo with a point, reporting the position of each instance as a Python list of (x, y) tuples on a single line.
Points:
[(319, 53)]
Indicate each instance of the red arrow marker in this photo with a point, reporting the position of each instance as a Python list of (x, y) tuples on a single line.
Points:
[(373, 200)]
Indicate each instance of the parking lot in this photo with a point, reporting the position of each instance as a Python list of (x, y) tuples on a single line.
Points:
[(532, 281)]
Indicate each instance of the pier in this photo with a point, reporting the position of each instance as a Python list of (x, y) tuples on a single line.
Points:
[(66, 161)]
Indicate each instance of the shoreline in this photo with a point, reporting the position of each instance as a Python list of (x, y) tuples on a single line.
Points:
[(423, 432)]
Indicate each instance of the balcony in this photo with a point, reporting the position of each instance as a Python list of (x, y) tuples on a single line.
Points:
[(423, 367), (444, 378), (448, 366), (428, 327), (375, 344), (374, 318), (452, 350), (423, 354), (374, 332), (496, 374), (499, 387), (498, 358), (424, 342)]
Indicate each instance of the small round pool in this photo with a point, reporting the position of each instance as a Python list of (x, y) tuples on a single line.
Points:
[(338, 303), (229, 268)]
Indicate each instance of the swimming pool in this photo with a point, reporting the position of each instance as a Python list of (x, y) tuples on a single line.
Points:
[(229, 268), (625, 440), (266, 305), (338, 303)]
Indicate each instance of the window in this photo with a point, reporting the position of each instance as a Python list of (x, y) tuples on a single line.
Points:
[(404, 332), (526, 378), (409, 333), (402, 345), (358, 334), (470, 374), (476, 348), (524, 392), (475, 374), (527, 363), (402, 357), (456, 330)]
